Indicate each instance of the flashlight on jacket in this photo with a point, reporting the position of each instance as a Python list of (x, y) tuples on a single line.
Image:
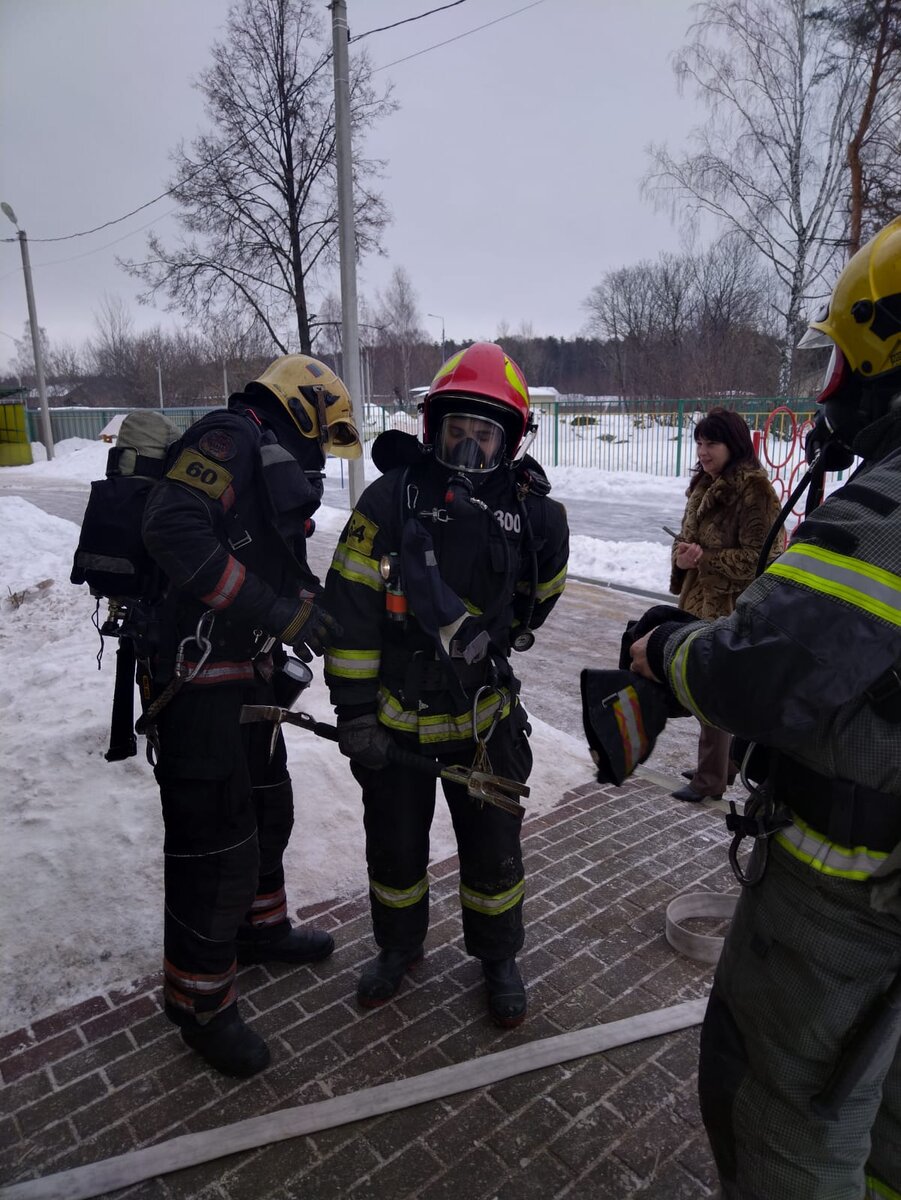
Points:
[(395, 600)]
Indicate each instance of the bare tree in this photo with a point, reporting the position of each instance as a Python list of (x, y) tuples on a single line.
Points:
[(23, 363), (398, 319), (112, 349), (769, 163), (258, 194)]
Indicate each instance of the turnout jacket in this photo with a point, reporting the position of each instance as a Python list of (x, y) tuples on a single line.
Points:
[(227, 526), (484, 555), (808, 663)]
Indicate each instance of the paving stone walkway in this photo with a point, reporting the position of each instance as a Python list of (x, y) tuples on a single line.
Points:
[(110, 1075)]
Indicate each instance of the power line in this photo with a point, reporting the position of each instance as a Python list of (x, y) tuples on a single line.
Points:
[(459, 36), (320, 66), (407, 20)]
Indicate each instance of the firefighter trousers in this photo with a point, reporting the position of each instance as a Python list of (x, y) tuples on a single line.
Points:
[(398, 807), (228, 813), (805, 959)]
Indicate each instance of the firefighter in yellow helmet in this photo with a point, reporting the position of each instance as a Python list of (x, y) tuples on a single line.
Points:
[(227, 527), (800, 1069)]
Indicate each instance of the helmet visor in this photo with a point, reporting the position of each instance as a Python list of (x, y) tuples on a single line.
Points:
[(468, 443), (837, 377)]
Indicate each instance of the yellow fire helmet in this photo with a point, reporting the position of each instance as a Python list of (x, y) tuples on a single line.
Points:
[(863, 315), (317, 402)]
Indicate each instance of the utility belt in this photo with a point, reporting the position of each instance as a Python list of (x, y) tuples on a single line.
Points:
[(847, 813)]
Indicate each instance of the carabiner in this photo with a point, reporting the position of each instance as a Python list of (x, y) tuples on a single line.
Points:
[(496, 716), (201, 639)]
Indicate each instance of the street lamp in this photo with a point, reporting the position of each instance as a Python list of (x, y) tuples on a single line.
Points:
[(437, 317), (46, 430)]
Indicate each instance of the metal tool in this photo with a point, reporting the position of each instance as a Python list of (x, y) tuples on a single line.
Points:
[(480, 785)]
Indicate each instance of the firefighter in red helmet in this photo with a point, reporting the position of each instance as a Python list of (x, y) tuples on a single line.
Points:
[(448, 562)]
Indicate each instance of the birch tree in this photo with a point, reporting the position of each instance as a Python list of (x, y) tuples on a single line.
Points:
[(769, 163)]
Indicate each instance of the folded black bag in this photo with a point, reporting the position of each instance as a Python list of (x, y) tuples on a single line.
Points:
[(623, 714)]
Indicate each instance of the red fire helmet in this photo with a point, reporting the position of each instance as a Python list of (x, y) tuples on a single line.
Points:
[(480, 380)]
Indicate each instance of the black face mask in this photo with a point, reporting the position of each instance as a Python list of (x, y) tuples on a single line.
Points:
[(468, 455)]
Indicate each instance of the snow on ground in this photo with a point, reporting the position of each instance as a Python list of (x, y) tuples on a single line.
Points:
[(80, 863)]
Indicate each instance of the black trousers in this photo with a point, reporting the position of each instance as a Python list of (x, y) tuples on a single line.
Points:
[(398, 807), (228, 813)]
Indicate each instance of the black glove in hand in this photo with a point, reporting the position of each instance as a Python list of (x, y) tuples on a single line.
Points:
[(310, 629), (366, 741)]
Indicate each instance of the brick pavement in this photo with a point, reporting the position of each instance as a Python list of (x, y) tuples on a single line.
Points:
[(110, 1075)]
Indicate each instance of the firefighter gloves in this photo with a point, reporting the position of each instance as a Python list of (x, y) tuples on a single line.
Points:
[(310, 629), (365, 741)]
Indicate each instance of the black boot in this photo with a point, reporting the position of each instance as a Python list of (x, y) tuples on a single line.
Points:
[(506, 992), (285, 945), (228, 1044), (382, 977)]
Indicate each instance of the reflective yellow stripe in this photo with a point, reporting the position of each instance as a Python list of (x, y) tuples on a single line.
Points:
[(399, 897), (678, 677), (553, 587), (357, 568), (812, 848), (877, 1190), (492, 906), (859, 583), (393, 714), (352, 664), (439, 727)]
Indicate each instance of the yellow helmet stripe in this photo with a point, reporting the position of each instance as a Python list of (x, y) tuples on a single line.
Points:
[(514, 380)]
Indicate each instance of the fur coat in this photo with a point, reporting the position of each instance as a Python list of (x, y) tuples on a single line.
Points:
[(729, 517)]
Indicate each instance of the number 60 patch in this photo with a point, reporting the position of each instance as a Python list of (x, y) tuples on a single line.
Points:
[(198, 471)]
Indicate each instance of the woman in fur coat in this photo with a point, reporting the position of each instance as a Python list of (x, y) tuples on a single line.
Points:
[(731, 507)]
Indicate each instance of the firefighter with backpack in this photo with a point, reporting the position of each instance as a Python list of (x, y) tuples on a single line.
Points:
[(227, 525), (450, 559)]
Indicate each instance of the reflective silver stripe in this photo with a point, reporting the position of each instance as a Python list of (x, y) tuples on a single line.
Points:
[(812, 848), (201, 984), (678, 677), (356, 568), (393, 714), (440, 727), (399, 897), (352, 664), (859, 583), (492, 906)]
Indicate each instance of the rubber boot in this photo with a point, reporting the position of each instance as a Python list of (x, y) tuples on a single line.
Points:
[(283, 944), (227, 1044), (383, 976), (506, 992)]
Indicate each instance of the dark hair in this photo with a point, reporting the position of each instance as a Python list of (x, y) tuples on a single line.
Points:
[(723, 425)]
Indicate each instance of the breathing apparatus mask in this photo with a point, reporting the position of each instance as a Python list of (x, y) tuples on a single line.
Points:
[(471, 444), (839, 418)]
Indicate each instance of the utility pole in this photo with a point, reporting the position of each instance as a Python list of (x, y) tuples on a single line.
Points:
[(438, 317), (46, 429), (350, 333), (159, 379)]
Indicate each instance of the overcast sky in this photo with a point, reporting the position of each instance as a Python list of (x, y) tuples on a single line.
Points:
[(513, 162)]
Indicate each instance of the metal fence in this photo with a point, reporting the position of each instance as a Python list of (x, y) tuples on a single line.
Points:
[(608, 435)]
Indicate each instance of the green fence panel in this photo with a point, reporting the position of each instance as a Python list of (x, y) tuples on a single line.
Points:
[(602, 433)]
